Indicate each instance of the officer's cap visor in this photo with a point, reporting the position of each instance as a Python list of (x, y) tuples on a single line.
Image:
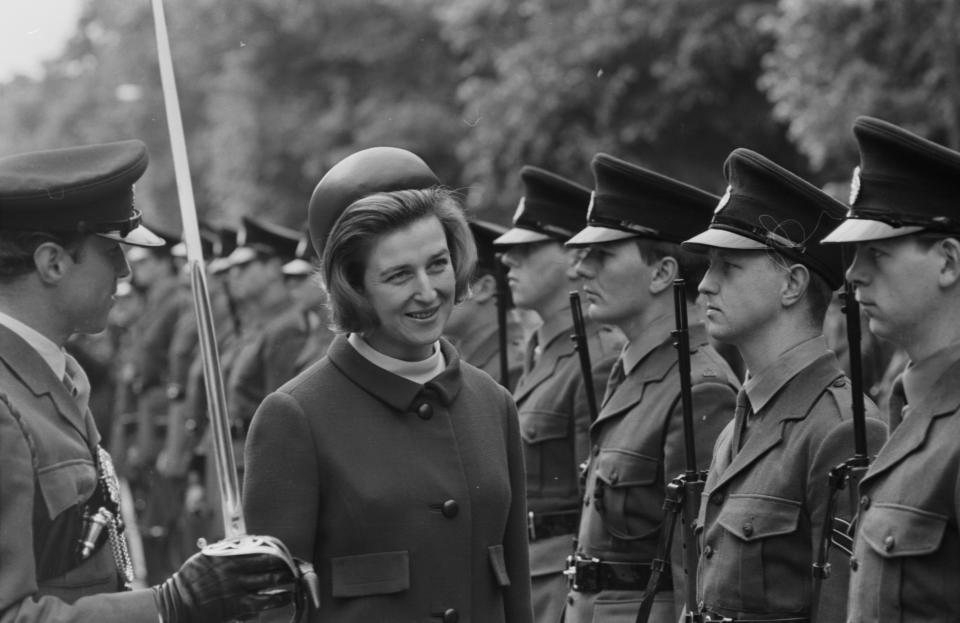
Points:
[(863, 230), (139, 236), (721, 239), (596, 235), (519, 235)]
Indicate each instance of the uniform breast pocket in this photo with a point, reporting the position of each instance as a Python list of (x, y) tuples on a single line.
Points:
[(762, 551), (66, 484), (549, 452), (896, 537), (629, 493)]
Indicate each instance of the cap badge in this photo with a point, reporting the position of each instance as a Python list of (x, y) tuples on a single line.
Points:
[(855, 186), (591, 205), (520, 207), (724, 199)]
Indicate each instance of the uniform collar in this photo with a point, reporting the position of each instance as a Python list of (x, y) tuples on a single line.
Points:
[(920, 378), (653, 336), (765, 385), (48, 350)]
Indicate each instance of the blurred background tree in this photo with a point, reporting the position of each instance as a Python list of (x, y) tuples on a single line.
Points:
[(273, 92)]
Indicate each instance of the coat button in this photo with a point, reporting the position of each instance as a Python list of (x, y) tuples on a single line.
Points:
[(888, 543), (747, 529), (865, 502), (450, 616), (708, 552), (854, 563), (450, 509), (425, 411)]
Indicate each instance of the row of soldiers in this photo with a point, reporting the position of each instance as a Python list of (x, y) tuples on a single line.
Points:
[(771, 402)]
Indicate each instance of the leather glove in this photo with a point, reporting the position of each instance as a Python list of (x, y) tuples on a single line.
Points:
[(208, 589)]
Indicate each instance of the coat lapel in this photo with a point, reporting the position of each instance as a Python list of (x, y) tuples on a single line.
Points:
[(912, 432), (29, 367), (767, 433)]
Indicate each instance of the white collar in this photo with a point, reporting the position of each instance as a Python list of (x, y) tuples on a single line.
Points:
[(417, 371)]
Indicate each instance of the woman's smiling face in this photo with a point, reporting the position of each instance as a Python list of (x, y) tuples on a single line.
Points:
[(410, 283)]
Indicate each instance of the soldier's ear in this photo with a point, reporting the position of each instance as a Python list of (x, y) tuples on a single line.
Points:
[(949, 255), (484, 289), (665, 270), (795, 284), (52, 262)]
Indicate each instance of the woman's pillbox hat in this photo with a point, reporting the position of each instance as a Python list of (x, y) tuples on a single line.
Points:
[(364, 173), (632, 202), (85, 189), (552, 208), (904, 184), (768, 207)]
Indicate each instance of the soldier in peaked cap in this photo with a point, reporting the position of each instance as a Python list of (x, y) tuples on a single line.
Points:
[(904, 222), (474, 325), (63, 215), (636, 221), (300, 277), (551, 398), (767, 491), (392, 464)]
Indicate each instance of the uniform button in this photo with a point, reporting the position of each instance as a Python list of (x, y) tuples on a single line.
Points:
[(716, 499), (854, 563), (614, 477), (839, 382), (888, 543), (570, 600), (596, 450), (450, 509), (586, 500), (532, 434), (747, 529), (708, 552), (425, 411), (450, 616), (865, 502)]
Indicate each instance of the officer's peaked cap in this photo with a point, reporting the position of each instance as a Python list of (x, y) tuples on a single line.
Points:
[(257, 236), (904, 184), (364, 173), (630, 201), (768, 207), (76, 189), (552, 208)]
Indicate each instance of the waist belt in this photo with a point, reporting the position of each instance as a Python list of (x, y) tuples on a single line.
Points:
[(709, 617), (591, 575), (544, 525)]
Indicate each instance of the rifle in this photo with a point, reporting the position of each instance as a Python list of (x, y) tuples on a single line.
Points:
[(503, 293), (682, 497), (579, 338), (237, 542), (849, 473)]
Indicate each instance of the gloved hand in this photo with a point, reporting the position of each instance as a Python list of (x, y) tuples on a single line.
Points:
[(208, 589)]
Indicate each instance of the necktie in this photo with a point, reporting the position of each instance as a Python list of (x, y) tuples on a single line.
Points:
[(617, 374), (741, 417), (897, 406), (532, 353), (76, 382)]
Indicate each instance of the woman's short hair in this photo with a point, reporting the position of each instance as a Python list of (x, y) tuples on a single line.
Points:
[(364, 222)]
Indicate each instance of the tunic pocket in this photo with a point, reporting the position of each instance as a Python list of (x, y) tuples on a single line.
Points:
[(66, 484), (549, 454), (631, 493), (370, 574)]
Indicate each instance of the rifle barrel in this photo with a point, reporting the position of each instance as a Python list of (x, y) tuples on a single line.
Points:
[(583, 350)]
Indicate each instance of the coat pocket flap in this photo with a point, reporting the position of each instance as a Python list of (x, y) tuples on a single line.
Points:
[(499, 565), (537, 426), (67, 484), (894, 531), (753, 517), (619, 468), (370, 574)]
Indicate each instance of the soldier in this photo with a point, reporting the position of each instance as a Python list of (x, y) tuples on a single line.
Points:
[(550, 396), (635, 225), (300, 277), (766, 292), (905, 223), (274, 329), (474, 326), (63, 215)]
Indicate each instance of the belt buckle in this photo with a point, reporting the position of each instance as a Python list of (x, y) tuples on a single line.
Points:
[(583, 573)]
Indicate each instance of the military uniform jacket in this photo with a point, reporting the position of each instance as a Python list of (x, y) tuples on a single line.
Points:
[(907, 546), (763, 508), (407, 498), (483, 351), (47, 469), (637, 449), (555, 427)]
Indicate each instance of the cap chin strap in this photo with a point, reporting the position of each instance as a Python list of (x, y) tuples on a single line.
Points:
[(119, 228)]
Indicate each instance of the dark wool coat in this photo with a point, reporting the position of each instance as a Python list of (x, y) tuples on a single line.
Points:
[(407, 498), (47, 471)]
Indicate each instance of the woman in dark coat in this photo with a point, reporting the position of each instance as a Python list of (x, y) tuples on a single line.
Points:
[(390, 464)]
